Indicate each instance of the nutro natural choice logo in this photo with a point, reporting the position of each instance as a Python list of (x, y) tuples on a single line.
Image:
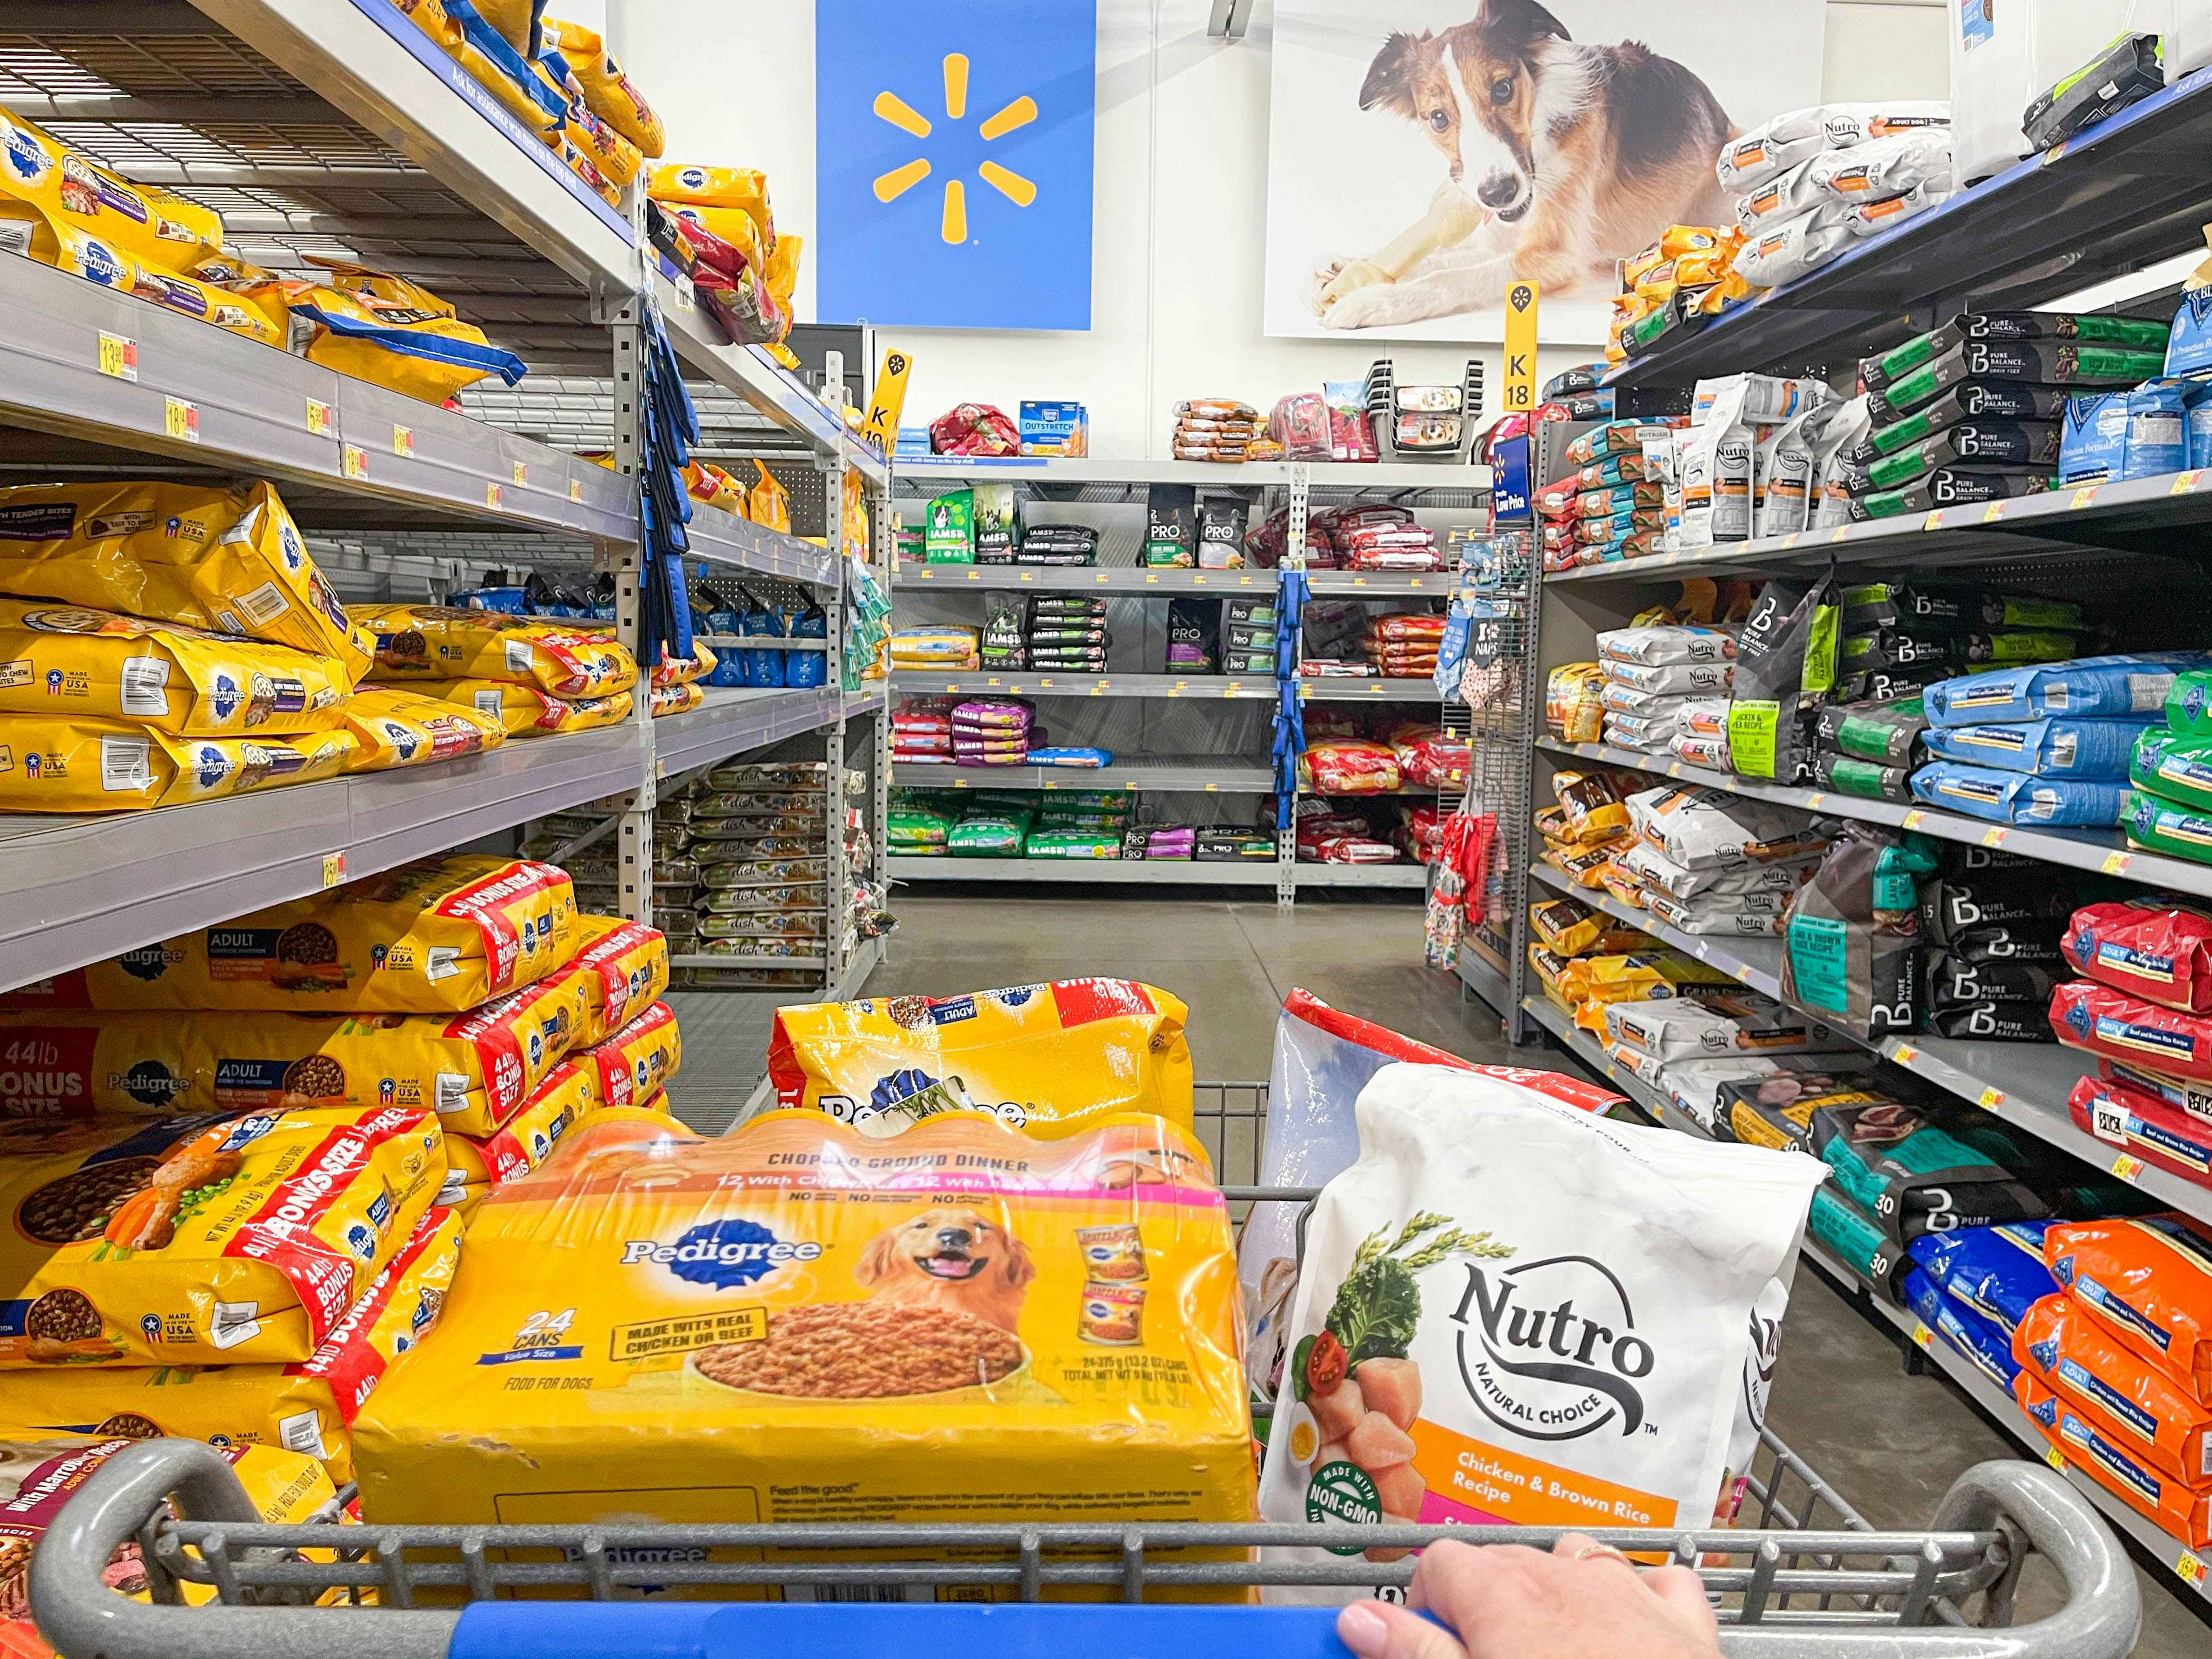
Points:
[(889, 186)]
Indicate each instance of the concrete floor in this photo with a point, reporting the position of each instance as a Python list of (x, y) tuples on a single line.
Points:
[(1891, 1444)]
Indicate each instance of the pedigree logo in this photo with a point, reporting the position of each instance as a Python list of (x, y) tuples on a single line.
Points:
[(721, 1254), (1549, 1349)]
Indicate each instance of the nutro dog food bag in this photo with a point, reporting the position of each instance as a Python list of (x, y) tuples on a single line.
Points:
[(1512, 1311), (202, 1241), (306, 1408), (786, 1324), (439, 935), (1048, 1057)]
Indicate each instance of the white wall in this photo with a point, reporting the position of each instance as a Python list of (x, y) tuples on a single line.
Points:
[(1179, 227)]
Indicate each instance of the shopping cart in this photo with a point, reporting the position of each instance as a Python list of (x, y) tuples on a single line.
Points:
[(1804, 1577)]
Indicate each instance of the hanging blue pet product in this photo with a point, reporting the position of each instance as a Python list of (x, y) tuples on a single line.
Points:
[(808, 667), (1290, 716), (671, 426)]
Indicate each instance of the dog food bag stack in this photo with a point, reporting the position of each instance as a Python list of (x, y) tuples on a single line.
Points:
[(2168, 807), (1975, 1288), (1080, 823), (922, 732), (1610, 508), (2045, 745), (1852, 949), (1065, 633), (1810, 183), (1370, 536), (597, 870), (1680, 283), (1704, 861), (1403, 645), (990, 732), (1588, 825), (1901, 636), (168, 643), (1664, 683), (920, 823), (1975, 411), (1213, 429), (533, 677), (1991, 922), (1745, 431), (2143, 1007), (2115, 1367), (1058, 544), (991, 824), (938, 649), (760, 842), (1869, 749)]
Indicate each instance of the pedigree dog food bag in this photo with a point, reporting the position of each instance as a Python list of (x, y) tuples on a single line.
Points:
[(443, 642), (523, 711), (202, 1241), (437, 936), (49, 765), (1513, 1311), (619, 965), (394, 728), (228, 561), (1047, 1058), (305, 1408), (786, 1324)]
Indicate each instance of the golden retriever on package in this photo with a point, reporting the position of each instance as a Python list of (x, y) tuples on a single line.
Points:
[(959, 1260)]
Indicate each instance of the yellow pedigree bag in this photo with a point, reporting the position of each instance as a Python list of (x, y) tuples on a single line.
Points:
[(201, 1241), (707, 482), (526, 1140), (1641, 977), (395, 727), (770, 504), (439, 935), (614, 158), (385, 330), (476, 1070), (1052, 1059), (620, 965), (607, 91), (143, 221), (61, 765), (76, 661), (523, 711), (783, 1324), (676, 699), (28, 229), (230, 561), (446, 642), (305, 1408), (672, 670), (635, 1063), (745, 188), (734, 226), (783, 270)]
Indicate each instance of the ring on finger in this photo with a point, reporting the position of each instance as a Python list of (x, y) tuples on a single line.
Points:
[(1590, 1550)]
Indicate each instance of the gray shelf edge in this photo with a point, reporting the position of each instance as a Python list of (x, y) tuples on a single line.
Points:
[(1177, 872), (1351, 689), (731, 722), (1164, 687), (1116, 581), (1413, 877), (1133, 775), (721, 536)]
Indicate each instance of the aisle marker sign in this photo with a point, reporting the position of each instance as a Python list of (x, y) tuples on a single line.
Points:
[(1522, 304)]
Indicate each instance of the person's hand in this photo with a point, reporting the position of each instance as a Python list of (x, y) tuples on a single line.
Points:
[(1582, 1600)]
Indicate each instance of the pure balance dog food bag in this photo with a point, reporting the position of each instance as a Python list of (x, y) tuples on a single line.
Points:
[(306, 1408), (786, 1324), (73, 661), (228, 561), (443, 642), (1512, 1311), (202, 1241), (64, 765), (1047, 1058), (439, 935)]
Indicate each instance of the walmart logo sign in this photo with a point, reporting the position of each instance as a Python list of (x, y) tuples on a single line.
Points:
[(953, 161)]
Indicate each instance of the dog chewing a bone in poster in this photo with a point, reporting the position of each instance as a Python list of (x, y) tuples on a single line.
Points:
[(1558, 157)]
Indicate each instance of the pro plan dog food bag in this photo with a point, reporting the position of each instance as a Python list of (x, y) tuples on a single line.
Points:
[(1512, 1311), (307, 1407), (226, 560), (440, 935), (202, 1241), (1051, 1059), (786, 1324)]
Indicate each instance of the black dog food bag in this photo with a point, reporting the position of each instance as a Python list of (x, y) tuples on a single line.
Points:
[(1851, 944), (1171, 525), (1785, 669)]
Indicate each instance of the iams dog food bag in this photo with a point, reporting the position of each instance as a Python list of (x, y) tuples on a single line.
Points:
[(1512, 1311), (792, 1323)]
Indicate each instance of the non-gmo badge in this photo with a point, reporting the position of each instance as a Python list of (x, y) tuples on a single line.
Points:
[(1343, 1493)]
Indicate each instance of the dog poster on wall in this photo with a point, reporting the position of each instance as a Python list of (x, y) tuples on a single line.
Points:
[(1424, 152)]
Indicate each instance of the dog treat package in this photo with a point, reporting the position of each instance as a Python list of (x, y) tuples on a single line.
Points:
[(437, 936), (200, 1240), (783, 1320), (306, 1408), (1852, 944), (1420, 1385), (1048, 1057), (440, 642)]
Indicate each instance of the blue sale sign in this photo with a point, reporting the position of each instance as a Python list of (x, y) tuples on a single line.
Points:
[(953, 161)]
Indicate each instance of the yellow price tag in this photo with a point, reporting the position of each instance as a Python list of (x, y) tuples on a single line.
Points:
[(2127, 1167), (182, 420), (1210, 788), (2116, 863), (2081, 498), (494, 495), (1921, 1336), (1790, 541), (403, 439), (1993, 512), (2191, 1568), (2051, 1455), (1914, 820), (322, 419), (1359, 581), (118, 356), (974, 575), (1993, 837), (991, 681), (352, 461), (1813, 802), (1673, 768), (1152, 579), (1991, 1099), (334, 868), (1933, 521), (1905, 1054), (1840, 535), (521, 472), (575, 489), (1026, 576), (2183, 483)]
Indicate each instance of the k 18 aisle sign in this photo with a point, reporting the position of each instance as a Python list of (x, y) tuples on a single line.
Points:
[(953, 162)]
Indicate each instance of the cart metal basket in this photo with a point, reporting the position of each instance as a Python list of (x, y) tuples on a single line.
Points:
[(1804, 1577)]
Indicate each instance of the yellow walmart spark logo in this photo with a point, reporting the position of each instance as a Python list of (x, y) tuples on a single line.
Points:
[(891, 185)]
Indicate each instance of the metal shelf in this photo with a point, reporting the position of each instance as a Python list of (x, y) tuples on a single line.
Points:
[(1393, 876), (1120, 580), (2106, 851), (1104, 872), (1221, 475), (76, 890), (721, 536), (2116, 188), (1377, 690), (1195, 773), (1485, 981), (350, 455), (730, 721), (1007, 684), (1380, 585), (2194, 1571), (2026, 1084)]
